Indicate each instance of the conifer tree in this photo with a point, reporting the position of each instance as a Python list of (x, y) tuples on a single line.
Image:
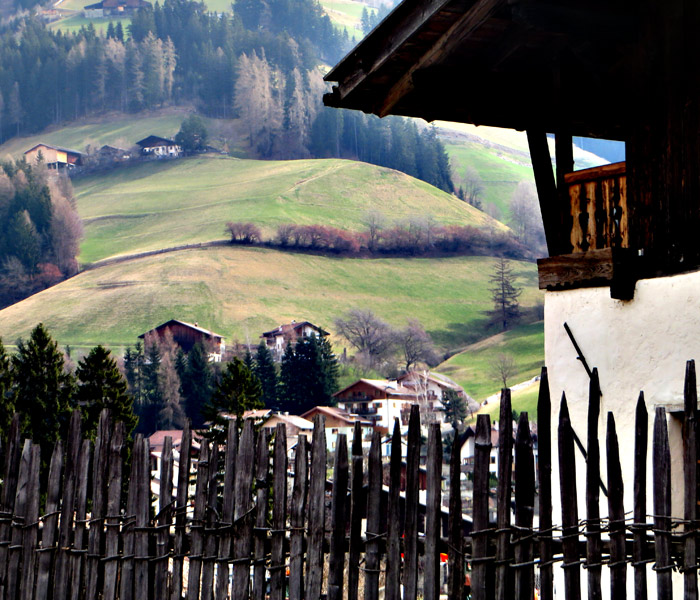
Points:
[(455, 408), (197, 381), (504, 293), (152, 395), (238, 390), (44, 390), (7, 389), (101, 385), (267, 374), (133, 370), (308, 376)]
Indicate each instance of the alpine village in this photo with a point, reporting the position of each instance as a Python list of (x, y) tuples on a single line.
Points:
[(349, 299)]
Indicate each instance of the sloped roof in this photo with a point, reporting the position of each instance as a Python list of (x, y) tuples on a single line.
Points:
[(519, 64), (186, 324), (154, 140), (292, 327), (385, 385), (298, 422), (59, 148), (335, 412)]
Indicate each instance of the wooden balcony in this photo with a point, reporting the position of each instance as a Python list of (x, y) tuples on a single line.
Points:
[(597, 221), (598, 208)]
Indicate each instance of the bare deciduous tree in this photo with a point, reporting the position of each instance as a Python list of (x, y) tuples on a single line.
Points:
[(473, 187), (416, 345), (502, 367), (525, 216), (367, 333)]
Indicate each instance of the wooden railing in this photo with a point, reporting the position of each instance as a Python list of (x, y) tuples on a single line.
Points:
[(598, 203), (250, 531)]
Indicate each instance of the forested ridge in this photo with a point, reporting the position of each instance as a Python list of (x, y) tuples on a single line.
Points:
[(39, 230), (259, 64)]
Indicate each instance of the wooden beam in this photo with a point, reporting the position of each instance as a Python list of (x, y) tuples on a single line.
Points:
[(471, 20), (546, 188), (615, 267), (381, 44)]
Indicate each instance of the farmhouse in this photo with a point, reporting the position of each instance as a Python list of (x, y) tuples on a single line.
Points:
[(432, 386), (622, 272), (54, 157), (113, 8), (379, 401), (159, 147), (278, 338), (339, 421), (187, 335)]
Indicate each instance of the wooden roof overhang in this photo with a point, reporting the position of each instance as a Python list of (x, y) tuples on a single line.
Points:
[(520, 64), (613, 69)]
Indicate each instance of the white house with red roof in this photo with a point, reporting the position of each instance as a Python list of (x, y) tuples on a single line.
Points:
[(278, 338)]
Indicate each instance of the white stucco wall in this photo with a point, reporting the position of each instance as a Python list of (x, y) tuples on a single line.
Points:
[(641, 344)]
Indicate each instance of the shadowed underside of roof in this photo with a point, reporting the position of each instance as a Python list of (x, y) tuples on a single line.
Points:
[(501, 63)]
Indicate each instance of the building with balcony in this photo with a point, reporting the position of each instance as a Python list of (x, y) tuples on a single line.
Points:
[(379, 401)]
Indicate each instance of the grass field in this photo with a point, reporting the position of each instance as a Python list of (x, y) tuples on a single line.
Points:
[(241, 292), (156, 205), (346, 14), (521, 400), (123, 130), (472, 367), (75, 22), (500, 170)]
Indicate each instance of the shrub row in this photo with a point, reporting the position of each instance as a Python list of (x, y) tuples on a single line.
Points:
[(402, 240)]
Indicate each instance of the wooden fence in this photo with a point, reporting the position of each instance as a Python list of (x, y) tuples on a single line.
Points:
[(255, 530)]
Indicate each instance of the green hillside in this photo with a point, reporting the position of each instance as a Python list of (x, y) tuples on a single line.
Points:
[(120, 130), (241, 292), (161, 204), (472, 367)]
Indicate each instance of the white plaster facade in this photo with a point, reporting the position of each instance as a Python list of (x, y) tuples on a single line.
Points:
[(637, 345)]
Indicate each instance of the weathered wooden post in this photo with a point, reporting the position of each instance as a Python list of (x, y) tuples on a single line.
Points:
[(616, 510), (524, 510), (593, 540), (569, 505), (336, 558), (544, 466), (480, 514)]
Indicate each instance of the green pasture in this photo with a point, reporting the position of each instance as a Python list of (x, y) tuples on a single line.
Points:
[(162, 204), (122, 131), (521, 400), (472, 367), (500, 170), (346, 14), (75, 22), (241, 292)]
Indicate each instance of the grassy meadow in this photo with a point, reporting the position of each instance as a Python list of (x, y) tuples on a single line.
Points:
[(161, 204), (521, 400), (472, 368), (241, 292)]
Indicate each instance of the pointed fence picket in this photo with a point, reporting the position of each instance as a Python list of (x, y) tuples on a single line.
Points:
[(267, 522)]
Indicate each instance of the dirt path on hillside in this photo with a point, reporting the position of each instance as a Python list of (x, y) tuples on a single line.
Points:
[(106, 262)]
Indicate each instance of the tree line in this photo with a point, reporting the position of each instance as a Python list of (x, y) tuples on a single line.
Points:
[(159, 388), (249, 65), (169, 386), (39, 230), (415, 237)]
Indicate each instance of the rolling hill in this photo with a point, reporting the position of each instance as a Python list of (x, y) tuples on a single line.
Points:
[(241, 292), (472, 368), (160, 204)]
